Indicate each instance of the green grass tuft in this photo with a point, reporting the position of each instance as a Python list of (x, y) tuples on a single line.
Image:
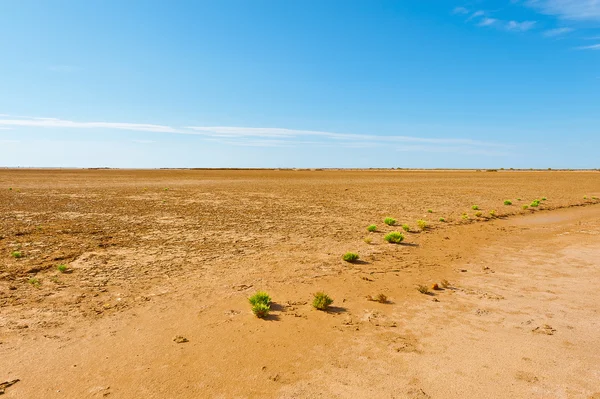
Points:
[(17, 254), (261, 310), (429, 210), (260, 297), (406, 227), (544, 199), (35, 282), (478, 214), (395, 237), (535, 203), (422, 224), (442, 220), (372, 228), (475, 207), (493, 213), (525, 207), (62, 268), (389, 221), (350, 257), (321, 301), (507, 202)]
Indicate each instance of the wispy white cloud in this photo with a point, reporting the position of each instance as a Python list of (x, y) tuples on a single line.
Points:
[(577, 10), (487, 22), (460, 11), (520, 26), (266, 137), (66, 124), (476, 14), (557, 32), (592, 47)]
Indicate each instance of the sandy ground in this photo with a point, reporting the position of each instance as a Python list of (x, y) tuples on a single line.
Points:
[(154, 255)]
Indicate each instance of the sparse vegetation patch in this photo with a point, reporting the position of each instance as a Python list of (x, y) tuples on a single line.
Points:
[(17, 254), (507, 202), (372, 228), (406, 227), (422, 224)]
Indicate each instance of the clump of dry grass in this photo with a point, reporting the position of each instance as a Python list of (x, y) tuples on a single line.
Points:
[(423, 289), (368, 240), (445, 283), (381, 298), (422, 224)]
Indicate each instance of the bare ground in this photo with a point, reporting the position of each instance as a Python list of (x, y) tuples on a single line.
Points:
[(157, 254)]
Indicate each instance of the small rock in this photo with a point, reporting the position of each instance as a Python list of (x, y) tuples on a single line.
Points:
[(180, 339)]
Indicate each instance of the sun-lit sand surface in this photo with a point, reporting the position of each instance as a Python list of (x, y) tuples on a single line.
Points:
[(152, 255)]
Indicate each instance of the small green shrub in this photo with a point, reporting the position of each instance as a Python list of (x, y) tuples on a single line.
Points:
[(260, 297), (423, 289), (478, 214), (544, 199), (395, 237), (507, 202), (518, 199), (493, 213), (585, 197), (389, 221), (429, 210), (475, 207), (535, 203), (525, 207), (35, 282), (62, 268), (261, 310), (464, 216), (442, 220), (422, 224), (406, 227), (372, 228), (16, 254), (321, 301), (350, 257)]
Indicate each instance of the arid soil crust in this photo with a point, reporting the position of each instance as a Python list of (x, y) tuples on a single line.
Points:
[(156, 256)]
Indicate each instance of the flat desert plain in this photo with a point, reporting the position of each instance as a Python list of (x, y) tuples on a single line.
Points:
[(152, 301)]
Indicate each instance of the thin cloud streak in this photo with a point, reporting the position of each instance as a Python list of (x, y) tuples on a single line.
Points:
[(592, 47), (520, 26), (265, 137), (557, 32), (577, 10)]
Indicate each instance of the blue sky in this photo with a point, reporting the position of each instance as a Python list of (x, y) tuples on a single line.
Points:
[(422, 83)]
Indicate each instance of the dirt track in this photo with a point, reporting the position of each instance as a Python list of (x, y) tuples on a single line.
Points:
[(154, 254)]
